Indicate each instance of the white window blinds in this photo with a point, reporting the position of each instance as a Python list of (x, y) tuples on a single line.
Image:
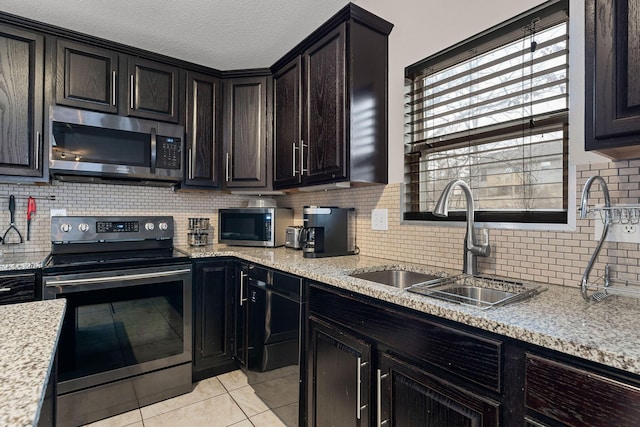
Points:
[(493, 112)]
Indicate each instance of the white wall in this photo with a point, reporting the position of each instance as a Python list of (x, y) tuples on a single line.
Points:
[(424, 27)]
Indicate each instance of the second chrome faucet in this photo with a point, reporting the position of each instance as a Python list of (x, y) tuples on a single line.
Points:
[(472, 249)]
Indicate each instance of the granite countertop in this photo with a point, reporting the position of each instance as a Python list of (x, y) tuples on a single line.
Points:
[(28, 339), (21, 261), (558, 318)]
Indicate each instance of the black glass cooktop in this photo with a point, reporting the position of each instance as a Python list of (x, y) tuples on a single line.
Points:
[(64, 263)]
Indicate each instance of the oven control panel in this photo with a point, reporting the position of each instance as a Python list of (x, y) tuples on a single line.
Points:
[(75, 229)]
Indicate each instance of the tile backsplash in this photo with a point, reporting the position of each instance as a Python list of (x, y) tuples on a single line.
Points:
[(557, 257)]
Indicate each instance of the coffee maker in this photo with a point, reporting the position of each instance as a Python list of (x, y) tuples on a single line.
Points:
[(328, 231)]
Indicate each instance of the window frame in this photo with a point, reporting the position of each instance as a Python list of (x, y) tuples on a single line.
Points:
[(515, 219)]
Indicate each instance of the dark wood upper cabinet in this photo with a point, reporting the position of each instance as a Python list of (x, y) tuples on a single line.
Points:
[(330, 104), (287, 124), (247, 155), (324, 129), (153, 90), (104, 80), (21, 103), (612, 104), (87, 77), (203, 136)]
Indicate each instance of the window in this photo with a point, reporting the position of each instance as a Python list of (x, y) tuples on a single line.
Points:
[(493, 111)]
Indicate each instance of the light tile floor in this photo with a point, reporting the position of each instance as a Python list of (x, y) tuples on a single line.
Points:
[(233, 399)]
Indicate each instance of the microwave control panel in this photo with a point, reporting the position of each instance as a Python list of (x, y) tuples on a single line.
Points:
[(169, 152)]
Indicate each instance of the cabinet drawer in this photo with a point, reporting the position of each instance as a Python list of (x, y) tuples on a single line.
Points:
[(469, 356), (577, 397), (17, 288)]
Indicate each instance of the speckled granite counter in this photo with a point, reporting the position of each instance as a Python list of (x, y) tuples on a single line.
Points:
[(558, 318), (28, 339), (21, 261)]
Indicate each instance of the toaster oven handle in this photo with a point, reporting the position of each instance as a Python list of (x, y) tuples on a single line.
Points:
[(154, 150)]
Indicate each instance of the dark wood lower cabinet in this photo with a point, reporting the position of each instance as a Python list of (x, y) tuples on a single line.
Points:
[(339, 377), (18, 286), (415, 372), (361, 361), (409, 396), (578, 397), (213, 319)]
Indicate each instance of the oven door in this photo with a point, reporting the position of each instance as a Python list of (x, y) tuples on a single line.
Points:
[(121, 323)]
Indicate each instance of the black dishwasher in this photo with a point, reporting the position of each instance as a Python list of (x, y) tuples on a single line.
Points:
[(274, 332)]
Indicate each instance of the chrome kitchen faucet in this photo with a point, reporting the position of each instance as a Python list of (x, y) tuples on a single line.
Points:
[(472, 249)]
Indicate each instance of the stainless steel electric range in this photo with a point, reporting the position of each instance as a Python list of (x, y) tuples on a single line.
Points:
[(126, 337)]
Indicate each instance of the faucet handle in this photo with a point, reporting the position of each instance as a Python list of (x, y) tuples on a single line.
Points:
[(485, 235), (484, 248)]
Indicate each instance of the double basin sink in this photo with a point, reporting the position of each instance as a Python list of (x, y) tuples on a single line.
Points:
[(476, 291)]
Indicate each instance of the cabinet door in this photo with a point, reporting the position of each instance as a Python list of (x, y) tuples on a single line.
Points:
[(86, 77), (408, 396), (325, 97), (213, 329), (612, 79), (287, 138), (21, 102), (153, 90), (339, 372), (577, 397), (17, 287), (203, 140), (242, 314), (245, 137)]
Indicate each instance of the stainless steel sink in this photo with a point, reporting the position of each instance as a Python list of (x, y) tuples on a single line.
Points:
[(481, 292), (472, 295), (398, 278)]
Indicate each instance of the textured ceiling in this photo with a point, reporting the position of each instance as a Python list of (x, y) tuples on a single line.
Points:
[(223, 34)]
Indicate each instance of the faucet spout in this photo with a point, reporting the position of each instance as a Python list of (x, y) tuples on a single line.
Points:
[(472, 249)]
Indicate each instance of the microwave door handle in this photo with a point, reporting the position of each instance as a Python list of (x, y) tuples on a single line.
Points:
[(154, 150)]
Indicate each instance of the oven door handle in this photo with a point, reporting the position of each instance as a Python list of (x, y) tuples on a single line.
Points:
[(106, 279)]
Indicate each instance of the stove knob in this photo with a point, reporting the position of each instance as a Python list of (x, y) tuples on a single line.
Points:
[(163, 226), (65, 227), (83, 227), (149, 226)]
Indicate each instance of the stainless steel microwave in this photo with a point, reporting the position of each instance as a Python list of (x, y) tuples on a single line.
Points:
[(263, 227), (95, 147)]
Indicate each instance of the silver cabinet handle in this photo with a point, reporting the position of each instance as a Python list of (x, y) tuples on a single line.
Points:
[(190, 171), (113, 89), (302, 145), (131, 92), (293, 158), (36, 153), (359, 404), (380, 377), (5, 289), (227, 168), (242, 276)]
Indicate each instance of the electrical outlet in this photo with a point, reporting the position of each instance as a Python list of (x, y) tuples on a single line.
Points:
[(618, 232), (380, 219)]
